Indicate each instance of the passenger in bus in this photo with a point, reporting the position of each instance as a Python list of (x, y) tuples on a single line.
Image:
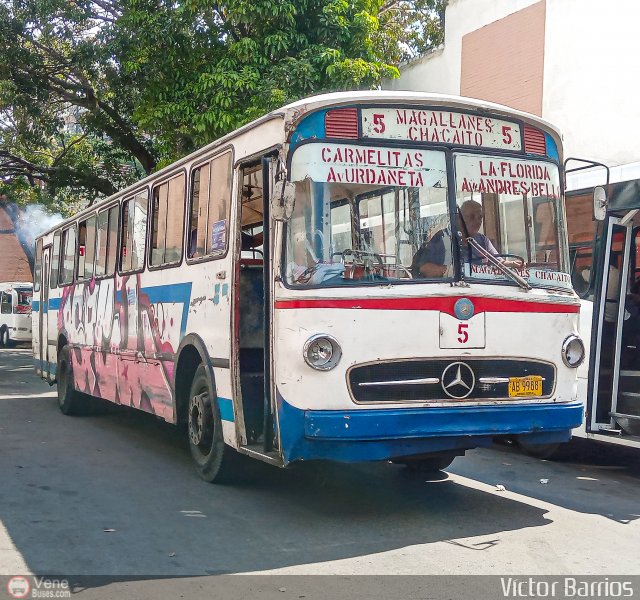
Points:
[(434, 259)]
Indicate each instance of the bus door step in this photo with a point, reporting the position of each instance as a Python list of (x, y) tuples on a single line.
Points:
[(608, 430), (257, 451)]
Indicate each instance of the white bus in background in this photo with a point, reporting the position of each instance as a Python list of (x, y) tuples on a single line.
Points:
[(332, 342), (15, 313)]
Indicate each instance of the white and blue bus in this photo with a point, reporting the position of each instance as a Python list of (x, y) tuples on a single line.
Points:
[(362, 276)]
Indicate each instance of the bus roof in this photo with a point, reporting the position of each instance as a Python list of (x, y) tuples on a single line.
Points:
[(293, 112)]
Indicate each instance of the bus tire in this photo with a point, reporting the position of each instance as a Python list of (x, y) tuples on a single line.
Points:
[(69, 399), (430, 464), (213, 458), (5, 340)]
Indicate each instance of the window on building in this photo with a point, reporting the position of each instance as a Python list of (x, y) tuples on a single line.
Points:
[(167, 222), (134, 232), (210, 207)]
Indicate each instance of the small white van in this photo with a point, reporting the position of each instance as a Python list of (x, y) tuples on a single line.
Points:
[(15, 312)]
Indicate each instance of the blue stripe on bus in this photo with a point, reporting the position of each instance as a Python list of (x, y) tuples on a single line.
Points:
[(175, 292), (552, 149), (180, 293), (226, 409), (35, 305), (38, 364), (310, 127)]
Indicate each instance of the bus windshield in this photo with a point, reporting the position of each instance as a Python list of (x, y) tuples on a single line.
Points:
[(512, 209), (369, 214)]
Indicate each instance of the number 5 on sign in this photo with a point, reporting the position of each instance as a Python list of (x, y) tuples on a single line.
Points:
[(455, 333)]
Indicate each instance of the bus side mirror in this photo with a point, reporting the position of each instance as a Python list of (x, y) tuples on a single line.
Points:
[(283, 200), (599, 203)]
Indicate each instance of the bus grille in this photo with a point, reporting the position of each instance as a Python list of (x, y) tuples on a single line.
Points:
[(421, 380)]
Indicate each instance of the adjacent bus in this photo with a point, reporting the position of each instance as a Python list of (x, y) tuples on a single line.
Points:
[(354, 277), (604, 236), (15, 313)]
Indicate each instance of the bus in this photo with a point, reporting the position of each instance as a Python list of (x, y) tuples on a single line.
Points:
[(15, 313), (604, 239), (358, 276)]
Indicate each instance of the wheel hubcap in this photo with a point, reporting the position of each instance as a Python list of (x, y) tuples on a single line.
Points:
[(199, 420)]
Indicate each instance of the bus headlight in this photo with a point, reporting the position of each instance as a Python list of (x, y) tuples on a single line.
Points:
[(573, 351), (322, 352)]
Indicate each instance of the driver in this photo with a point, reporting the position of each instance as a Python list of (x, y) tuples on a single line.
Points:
[(434, 259)]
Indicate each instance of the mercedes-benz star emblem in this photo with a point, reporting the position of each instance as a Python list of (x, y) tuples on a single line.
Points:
[(458, 380)]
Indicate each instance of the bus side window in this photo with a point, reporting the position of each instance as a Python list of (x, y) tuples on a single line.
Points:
[(67, 264), (55, 261), (210, 208), (90, 248), (37, 267), (5, 303), (134, 232), (166, 222), (112, 240), (102, 232)]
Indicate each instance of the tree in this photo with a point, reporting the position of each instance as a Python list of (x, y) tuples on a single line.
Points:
[(142, 82)]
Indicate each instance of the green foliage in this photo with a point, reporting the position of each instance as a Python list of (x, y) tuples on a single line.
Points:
[(143, 82)]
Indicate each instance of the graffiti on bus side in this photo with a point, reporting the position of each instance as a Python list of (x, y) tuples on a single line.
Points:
[(118, 333)]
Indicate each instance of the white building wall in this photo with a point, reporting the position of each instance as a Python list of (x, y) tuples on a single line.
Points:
[(439, 71), (591, 84), (591, 90)]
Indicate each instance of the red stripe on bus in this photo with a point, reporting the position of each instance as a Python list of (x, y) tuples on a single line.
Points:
[(440, 304)]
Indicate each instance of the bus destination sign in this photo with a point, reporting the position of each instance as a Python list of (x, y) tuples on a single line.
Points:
[(346, 163), (440, 126)]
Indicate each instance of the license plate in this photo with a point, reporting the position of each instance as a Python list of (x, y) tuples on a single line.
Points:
[(525, 386)]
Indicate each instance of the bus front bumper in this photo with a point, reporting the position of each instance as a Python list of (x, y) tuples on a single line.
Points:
[(382, 434)]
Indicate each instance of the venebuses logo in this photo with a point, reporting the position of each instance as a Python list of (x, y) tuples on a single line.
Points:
[(18, 587)]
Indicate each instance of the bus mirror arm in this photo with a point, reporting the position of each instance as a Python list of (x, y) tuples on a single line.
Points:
[(282, 200)]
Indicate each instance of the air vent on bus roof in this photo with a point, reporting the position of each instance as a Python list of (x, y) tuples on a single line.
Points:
[(534, 141), (341, 123)]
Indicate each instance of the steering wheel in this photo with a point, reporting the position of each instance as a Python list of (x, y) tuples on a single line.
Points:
[(512, 256), (359, 256)]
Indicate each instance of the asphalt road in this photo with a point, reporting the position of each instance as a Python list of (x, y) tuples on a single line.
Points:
[(114, 494)]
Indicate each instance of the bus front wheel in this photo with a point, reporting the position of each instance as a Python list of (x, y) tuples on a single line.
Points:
[(429, 464), (69, 398), (5, 340), (542, 451), (214, 459)]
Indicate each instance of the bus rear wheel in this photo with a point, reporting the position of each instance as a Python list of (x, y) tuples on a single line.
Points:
[(214, 460), (69, 399)]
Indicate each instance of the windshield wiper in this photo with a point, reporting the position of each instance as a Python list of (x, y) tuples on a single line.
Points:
[(510, 273)]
